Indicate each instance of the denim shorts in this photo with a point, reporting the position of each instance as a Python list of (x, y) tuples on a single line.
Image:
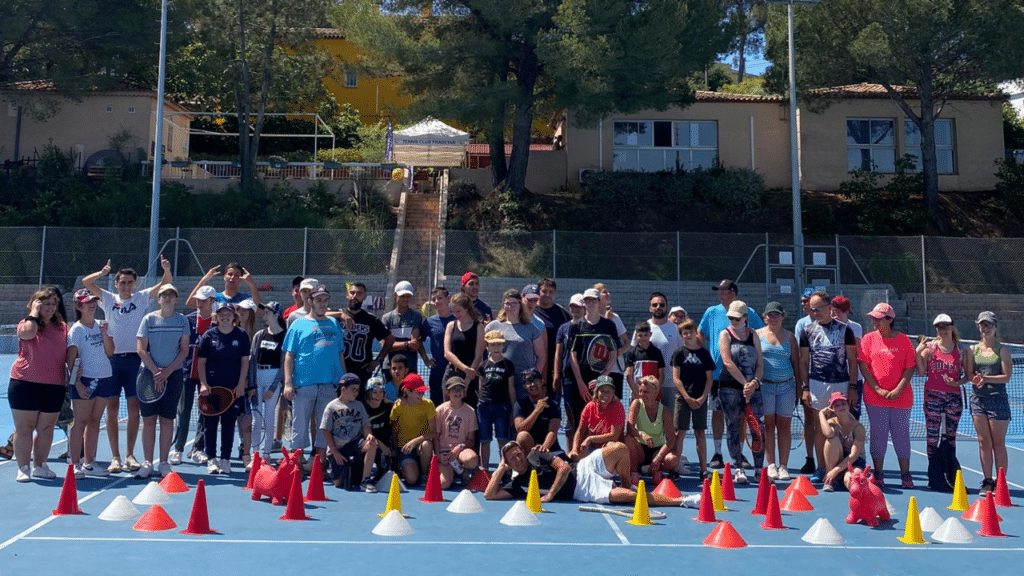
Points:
[(493, 415), (992, 407), (104, 388), (779, 398)]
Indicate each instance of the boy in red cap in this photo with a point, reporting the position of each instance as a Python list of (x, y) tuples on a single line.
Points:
[(412, 421)]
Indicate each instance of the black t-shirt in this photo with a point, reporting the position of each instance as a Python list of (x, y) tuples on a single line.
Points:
[(380, 421), (594, 346), (539, 430), (541, 462), (269, 351), (553, 318), (638, 354), (494, 380), (360, 338), (223, 353), (693, 368)]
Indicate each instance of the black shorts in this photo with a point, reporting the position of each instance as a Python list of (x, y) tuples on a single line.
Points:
[(167, 405), (649, 453), (35, 397), (684, 414)]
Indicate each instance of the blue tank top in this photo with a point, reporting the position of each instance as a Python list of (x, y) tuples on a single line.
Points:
[(778, 366)]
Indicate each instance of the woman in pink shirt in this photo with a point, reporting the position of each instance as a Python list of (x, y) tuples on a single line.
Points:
[(38, 383), (943, 361)]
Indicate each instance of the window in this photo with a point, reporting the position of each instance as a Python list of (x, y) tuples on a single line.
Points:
[(943, 144), (131, 109), (350, 79), (871, 144), (110, 108), (653, 146)]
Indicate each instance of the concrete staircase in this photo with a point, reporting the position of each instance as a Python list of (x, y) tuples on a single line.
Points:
[(419, 243)]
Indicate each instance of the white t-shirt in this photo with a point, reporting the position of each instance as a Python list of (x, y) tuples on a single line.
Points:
[(124, 318), (620, 329), (89, 341)]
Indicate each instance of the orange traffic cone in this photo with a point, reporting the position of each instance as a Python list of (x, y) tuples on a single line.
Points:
[(199, 520), (728, 490), (257, 462), (706, 513), (803, 485), (668, 489), (296, 509), (155, 520), (795, 501), (315, 491), (432, 493), (990, 522), (763, 486), (977, 512), (724, 536), (173, 484), (1002, 491), (68, 503), (479, 481), (773, 517)]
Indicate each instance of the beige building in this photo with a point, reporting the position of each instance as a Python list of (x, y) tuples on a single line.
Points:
[(122, 118), (864, 128)]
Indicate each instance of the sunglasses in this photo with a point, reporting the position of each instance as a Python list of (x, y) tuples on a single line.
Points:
[(658, 305), (819, 308)]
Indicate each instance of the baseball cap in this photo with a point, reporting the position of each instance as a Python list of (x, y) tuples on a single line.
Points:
[(309, 284), (942, 319), (836, 397), (83, 296), (774, 308), (531, 291), (375, 383), (453, 382), (205, 293), (349, 379), (319, 289), (404, 287), (808, 292), (987, 316), (726, 285), (469, 276), (591, 293), (248, 304), (841, 303), (218, 306), (737, 309), (602, 380), (167, 288), (531, 375), (493, 336), (576, 300), (677, 309), (414, 382), (274, 307), (882, 310)]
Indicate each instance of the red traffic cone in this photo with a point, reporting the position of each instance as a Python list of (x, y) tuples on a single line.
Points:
[(803, 485), (724, 536), (257, 462), (199, 520), (977, 512), (668, 489), (315, 491), (773, 517), (795, 501), (68, 503), (990, 521), (155, 520), (763, 486), (432, 493), (173, 484), (479, 481), (1002, 491), (296, 509), (728, 490), (706, 513)]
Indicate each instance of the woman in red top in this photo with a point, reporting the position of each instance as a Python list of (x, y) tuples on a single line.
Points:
[(887, 360), (602, 421), (38, 382), (943, 361)]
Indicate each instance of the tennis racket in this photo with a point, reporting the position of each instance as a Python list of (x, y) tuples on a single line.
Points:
[(145, 387), (655, 514), (600, 352), (755, 436), (72, 374), (796, 424), (217, 401), (256, 411)]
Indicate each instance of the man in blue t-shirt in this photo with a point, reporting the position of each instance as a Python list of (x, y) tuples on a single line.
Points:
[(314, 363), (432, 331)]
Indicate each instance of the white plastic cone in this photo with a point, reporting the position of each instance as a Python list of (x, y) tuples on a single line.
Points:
[(930, 520), (465, 503), (120, 509), (394, 524), (952, 531), (151, 494), (889, 507), (823, 533), (384, 485), (519, 515)]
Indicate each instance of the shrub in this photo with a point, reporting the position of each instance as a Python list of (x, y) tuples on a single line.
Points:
[(462, 192), (890, 209), (338, 155), (1011, 185)]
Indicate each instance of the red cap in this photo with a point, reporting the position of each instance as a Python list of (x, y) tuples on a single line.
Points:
[(882, 310), (841, 303), (468, 276), (414, 382)]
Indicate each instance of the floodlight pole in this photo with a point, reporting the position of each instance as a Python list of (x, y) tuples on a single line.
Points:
[(158, 156)]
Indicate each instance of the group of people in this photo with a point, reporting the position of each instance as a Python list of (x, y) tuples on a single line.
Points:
[(344, 383)]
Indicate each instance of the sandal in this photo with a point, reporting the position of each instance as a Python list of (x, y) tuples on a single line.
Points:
[(7, 452), (906, 481)]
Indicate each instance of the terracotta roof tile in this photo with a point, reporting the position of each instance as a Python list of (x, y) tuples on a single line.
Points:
[(866, 90), (703, 96)]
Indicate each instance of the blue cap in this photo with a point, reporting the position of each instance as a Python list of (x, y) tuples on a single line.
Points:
[(808, 292), (349, 379)]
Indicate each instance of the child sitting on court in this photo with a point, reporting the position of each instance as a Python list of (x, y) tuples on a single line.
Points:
[(412, 424), (496, 395), (351, 447), (455, 430), (691, 373)]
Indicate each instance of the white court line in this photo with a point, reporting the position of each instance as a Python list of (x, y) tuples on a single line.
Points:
[(615, 527), (47, 520), (215, 541)]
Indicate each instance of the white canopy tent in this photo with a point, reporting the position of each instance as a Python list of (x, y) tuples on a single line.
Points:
[(430, 143)]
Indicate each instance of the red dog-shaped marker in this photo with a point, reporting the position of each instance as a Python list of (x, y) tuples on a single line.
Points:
[(866, 500), (275, 483)]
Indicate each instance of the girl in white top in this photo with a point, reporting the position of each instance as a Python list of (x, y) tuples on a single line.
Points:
[(91, 386)]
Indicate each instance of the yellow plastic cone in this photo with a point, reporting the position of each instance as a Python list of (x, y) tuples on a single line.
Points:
[(394, 498), (912, 534), (959, 494), (641, 516), (533, 495), (716, 493)]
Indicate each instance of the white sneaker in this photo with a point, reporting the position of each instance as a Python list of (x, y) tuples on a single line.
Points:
[(79, 472), (739, 476), (43, 471), (198, 457), (691, 501), (773, 472), (225, 466), (175, 457), (164, 469), (212, 467), (94, 469), (783, 473), (24, 474), (144, 470)]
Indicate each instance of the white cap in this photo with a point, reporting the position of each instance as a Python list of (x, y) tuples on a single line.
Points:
[(404, 287), (942, 319), (677, 309), (309, 284), (591, 293), (576, 300), (248, 304), (205, 293)]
